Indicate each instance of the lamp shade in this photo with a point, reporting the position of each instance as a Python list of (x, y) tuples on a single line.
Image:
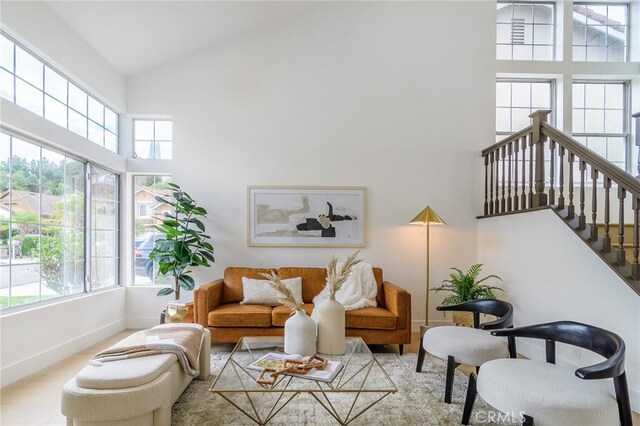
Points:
[(427, 216)]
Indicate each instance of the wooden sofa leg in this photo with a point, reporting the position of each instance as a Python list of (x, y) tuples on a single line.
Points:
[(528, 420), (470, 399), (448, 388), (421, 354), (401, 348)]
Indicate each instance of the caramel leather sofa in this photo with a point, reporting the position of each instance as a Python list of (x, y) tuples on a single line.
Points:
[(217, 307)]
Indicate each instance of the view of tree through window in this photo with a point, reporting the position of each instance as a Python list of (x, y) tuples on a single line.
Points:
[(152, 139), (147, 210), (41, 223)]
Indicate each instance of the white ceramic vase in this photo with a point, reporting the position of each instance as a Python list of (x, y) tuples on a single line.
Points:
[(330, 318), (300, 335)]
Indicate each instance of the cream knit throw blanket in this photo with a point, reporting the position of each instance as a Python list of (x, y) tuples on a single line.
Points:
[(359, 291), (183, 340)]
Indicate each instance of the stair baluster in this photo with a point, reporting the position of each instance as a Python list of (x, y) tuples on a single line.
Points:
[(491, 184), (503, 201), (635, 266), (497, 200), (571, 208), (516, 148), (560, 180), (486, 184), (606, 240), (530, 197), (509, 200), (621, 259), (523, 196), (594, 205), (582, 219)]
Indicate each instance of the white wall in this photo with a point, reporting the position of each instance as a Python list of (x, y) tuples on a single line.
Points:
[(550, 274), (391, 96), (40, 336), (35, 25)]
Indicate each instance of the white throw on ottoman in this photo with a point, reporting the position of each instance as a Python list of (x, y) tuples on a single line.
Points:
[(135, 391)]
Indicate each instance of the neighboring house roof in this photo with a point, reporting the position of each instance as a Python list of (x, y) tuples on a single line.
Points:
[(166, 193), (30, 201)]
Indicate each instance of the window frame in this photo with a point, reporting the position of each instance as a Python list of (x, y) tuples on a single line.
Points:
[(627, 24), (626, 122), (554, 25), (68, 82), (87, 229), (153, 141), (552, 96)]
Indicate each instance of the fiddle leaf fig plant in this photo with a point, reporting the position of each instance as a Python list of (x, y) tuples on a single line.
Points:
[(183, 243), (466, 286)]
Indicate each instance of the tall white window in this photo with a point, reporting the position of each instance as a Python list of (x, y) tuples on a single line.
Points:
[(43, 230), (148, 212), (600, 32), (152, 139), (600, 119), (516, 99), (36, 86), (525, 31)]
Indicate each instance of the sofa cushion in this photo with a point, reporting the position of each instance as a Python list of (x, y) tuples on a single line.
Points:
[(313, 280), (371, 318), (260, 292), (237, 315), (232, 288), (280, 314), (124, 373)]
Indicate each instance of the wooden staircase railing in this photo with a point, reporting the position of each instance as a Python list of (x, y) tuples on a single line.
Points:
[(541, 167)]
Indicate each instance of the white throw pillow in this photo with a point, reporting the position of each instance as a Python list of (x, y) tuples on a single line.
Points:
[(259, 292)]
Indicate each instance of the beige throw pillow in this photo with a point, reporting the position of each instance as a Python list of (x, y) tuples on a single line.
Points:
[(259, 292)]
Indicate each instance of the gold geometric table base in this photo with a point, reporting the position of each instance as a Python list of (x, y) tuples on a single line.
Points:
[(362, 378)]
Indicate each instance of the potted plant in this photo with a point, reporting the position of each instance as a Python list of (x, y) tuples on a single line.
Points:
[(465, 287), (183, 243)]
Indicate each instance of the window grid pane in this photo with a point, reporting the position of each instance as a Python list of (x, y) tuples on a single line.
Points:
[(525, 31), (32, 78), (152, 139), (104, 235), (42, 238), (517, 99), (599, 111), (601, 32)]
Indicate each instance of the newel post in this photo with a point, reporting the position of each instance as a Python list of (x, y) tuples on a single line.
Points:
[(539, 197)]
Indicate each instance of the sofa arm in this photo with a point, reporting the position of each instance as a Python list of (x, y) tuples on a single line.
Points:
[(205, 298), (205, 355), (398, 302)]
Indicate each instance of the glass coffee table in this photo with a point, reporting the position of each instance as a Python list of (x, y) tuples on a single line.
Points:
[(359, 385)]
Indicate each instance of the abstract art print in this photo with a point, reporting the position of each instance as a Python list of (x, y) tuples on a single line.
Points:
[(306, 216)]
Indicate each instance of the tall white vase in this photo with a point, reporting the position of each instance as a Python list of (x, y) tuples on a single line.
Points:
[(300, 335), (330, 318)]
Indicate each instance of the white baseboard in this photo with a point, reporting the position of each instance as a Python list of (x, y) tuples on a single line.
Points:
[(537, 352), (23, 368)]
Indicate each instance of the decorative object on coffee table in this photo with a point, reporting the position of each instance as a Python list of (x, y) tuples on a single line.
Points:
[(299, 329), (465, 286), (330, 314)]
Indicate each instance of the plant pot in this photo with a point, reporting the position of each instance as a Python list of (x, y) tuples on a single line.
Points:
[(330, 317), (463, 319), (300, 335)]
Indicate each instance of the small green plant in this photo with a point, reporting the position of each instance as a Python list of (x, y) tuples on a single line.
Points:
[(467, 286), (184, 243)]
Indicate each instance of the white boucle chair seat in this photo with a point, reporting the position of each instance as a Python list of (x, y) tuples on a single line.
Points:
[(551, 394), (467, 345)]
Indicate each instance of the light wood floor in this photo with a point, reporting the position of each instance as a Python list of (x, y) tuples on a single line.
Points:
[(35, 400)]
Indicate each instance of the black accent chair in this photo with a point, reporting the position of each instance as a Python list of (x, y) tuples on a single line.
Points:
[(536, 399), (464, 345)]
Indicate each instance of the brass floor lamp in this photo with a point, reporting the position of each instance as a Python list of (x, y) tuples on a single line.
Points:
[(427, 217)]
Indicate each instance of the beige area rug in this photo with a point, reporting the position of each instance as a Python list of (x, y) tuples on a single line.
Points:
[(419, 400)]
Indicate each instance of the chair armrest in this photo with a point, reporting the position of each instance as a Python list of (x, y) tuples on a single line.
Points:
[(398, 302), (613, 367), (205, 298)]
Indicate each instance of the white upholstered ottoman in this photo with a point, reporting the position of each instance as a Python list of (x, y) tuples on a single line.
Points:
[(136, 391)]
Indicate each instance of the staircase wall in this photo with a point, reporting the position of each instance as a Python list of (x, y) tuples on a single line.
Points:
[(550, 274)]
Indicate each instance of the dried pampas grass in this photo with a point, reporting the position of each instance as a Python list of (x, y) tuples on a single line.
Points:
[(286, 296), (335, 280)]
